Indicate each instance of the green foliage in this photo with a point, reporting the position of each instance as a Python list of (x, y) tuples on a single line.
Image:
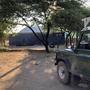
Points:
[(28, 11), (39, 12), (4, 49), (14, 34), (3, 27), (85, 11), (70, 18), (4, 30), (70, 4)]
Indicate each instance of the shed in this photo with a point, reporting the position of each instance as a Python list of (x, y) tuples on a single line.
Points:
[(26, 38)]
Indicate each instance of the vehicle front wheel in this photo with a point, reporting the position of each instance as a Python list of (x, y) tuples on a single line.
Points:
[(63, 73)]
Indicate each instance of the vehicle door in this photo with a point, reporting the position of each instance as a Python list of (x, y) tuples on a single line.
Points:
[(83, 54)]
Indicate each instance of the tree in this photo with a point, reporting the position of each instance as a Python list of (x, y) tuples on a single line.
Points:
[(31, 12), (70, 17), (4, 31)]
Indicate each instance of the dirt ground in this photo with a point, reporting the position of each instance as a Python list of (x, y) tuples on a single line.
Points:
[(30, 70)]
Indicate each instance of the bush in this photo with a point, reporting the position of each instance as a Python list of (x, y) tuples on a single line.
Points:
[(4, 49)]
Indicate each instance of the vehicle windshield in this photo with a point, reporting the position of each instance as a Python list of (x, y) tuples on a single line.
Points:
[(85, 41)]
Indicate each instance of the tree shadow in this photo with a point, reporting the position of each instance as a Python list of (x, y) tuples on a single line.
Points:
[(37, 71)]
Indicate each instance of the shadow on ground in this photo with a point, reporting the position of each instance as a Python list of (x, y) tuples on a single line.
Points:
[(35, 72)]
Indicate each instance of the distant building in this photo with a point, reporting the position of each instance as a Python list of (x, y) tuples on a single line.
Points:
[(26, 38)]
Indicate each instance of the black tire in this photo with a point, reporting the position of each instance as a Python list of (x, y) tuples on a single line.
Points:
[(51, 45), (63, 73)]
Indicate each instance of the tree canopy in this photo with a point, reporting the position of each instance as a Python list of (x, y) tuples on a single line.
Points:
[(70, 17), (28, 13), (64, 13)]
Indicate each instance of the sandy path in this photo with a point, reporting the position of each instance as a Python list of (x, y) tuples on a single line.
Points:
[(35, 71)]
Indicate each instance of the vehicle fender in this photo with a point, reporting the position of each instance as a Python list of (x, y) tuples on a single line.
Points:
[(65, 60)]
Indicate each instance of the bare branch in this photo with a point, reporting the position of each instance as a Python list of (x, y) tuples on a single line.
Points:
[(39, 29), (36, 34)]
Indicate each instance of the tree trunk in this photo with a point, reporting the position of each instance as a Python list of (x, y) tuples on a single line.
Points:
[(47, 35), (44, 42), (76, 38), (70, 40), (48, 30), (46, 48), (4, 43), (66, 42)]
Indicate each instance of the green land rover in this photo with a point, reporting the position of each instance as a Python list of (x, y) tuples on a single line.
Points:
[(73, 65)]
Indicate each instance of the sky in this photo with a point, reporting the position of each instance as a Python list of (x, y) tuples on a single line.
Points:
[(87, 4), (19, 27)]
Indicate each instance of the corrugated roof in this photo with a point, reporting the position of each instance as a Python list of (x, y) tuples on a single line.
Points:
[(27, 30)]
